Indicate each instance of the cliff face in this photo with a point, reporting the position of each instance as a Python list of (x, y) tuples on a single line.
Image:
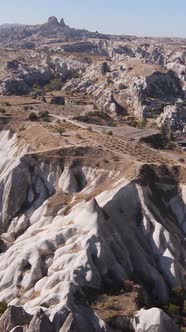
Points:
[(60, 240)]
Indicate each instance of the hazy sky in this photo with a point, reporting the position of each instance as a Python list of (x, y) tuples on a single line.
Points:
[(140, 17)]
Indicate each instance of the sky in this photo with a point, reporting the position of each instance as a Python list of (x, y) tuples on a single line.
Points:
[(134, 17)]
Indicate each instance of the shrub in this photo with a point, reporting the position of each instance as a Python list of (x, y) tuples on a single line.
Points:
[(54, 85), (60, 130), (3, 307), (110, 133), (163, 131), (6, 103), (89, 128), (154, 125), (58, 100), (33, 116), (36, 87), (76, 75), (141, 124), (173, 309), (26, 108), (43, 114), (181, 160), (2, 110), (133, 123)]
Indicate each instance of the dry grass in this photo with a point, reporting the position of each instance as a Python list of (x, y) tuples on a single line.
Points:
[(57, 202), (109, 307)]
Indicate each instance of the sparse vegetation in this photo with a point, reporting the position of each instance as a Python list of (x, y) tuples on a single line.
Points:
[(27, 108), (54, 85), (176, 307), (44, 116)]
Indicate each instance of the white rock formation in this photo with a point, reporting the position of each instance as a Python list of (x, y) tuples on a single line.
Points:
[(153, 320), (51, 258)]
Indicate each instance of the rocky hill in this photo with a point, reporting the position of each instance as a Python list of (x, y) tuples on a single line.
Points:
[(121, 74), (24, 35)]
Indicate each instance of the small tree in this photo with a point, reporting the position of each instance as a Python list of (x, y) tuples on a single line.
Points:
[(54, 85), (164, 132), (141, 124), (3, 307)]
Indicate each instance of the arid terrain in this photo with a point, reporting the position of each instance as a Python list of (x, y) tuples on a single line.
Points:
[(92, 181)]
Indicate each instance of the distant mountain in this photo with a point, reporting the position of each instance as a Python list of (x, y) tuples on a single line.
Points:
[(53, 31), (9, 25)]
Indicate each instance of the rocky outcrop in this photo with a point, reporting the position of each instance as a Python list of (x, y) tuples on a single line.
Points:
[(155, 91), (14, 87), (161, 86), (13, 319), (153, 320), (53, 21), (173, 116), (178, 68), (40, 323), (23, 78)]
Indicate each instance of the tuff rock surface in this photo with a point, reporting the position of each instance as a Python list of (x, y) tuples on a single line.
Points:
[(51, 259)]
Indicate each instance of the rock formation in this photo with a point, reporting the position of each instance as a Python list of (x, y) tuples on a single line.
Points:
[(50, 259)]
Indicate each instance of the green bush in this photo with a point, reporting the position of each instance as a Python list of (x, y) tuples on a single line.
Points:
[(173, 309), (54, 85), (141, 124), (163, 131), (3, 307), (44, 116)]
